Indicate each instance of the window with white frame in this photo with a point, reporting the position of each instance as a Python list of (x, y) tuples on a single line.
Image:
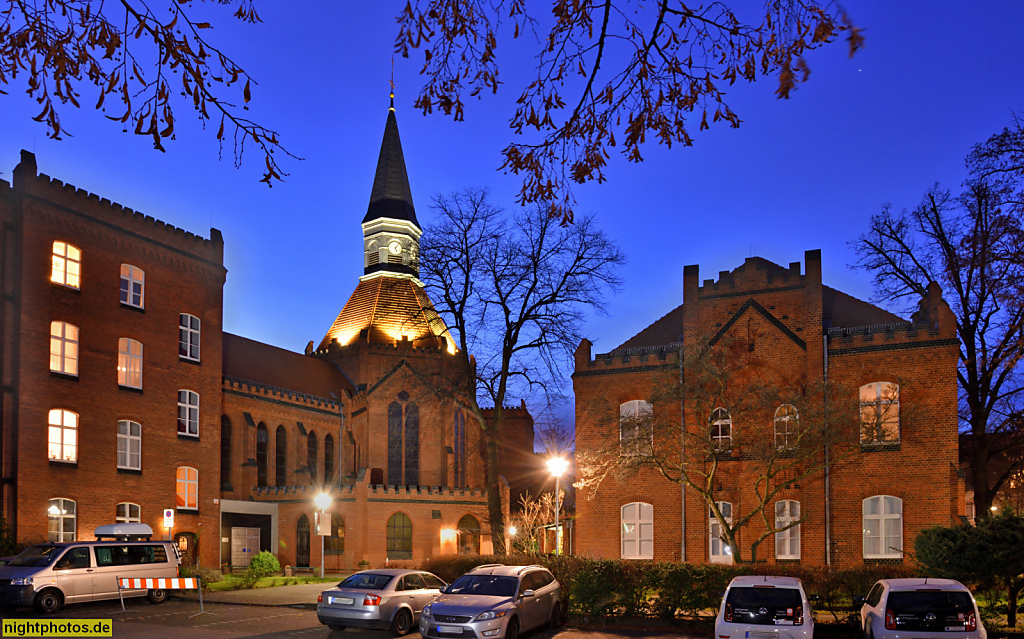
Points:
[(64, 348), (883, 527), (129, 363), (63, 436), (880, 413), (721, 430), (61, 516), (787, 426), (187, 488), (787, 541), (636, 436), (637, 532), (719, 551), (67, 265), (188, 337), (129, 445), (133, 286), (128, 513), (188, 413)]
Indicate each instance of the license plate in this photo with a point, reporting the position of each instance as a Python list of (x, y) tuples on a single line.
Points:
[(450, 630), (345, 601), (954, 628)]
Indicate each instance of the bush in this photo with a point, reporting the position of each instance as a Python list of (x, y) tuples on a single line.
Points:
[(264, 565)]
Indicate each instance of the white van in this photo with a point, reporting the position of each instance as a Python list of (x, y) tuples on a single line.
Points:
[(50, 575)]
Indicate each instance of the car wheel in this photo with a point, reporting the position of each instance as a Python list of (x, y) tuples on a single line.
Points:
[(157, 596), (556, 617), (512, 632), (402, 623), (49, 601)]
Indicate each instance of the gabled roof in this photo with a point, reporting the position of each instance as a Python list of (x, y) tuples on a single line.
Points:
[(272, 366), (667, 330), (388, 309), (391, 196)]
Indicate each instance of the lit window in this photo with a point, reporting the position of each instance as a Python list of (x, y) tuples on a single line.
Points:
[(721, 430), (128, 513), (63, 435), (787, 542), (719, 551), (883, 527), (880, 413), (399, 537), (637, 530), (133, 286), (188, 337), (129, 363), (64, 348), (636, 432), (60, 520), (188, 413), (787, 427), (67, 265), (335, 544), (129, 445), (187, 488)]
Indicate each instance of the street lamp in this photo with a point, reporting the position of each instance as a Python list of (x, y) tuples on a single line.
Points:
[(323, 502), (557, 467)]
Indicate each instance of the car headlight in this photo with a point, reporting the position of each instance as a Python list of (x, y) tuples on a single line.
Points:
[(490, 614), (21, 581), (426, 611)]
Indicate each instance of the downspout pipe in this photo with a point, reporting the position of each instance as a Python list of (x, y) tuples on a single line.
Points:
[(828, 474)]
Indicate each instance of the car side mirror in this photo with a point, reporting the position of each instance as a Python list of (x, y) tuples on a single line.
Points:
[(813, 598), (528, 593), (860, 600), (444, 590)]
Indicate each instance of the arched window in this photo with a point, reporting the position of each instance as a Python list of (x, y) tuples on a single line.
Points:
[(880, 413), (302, 541), (189, 327), (394, 444), (403, 443), (636, 434), (719, 551), (637, 530), (64, 348), (469, 535), (721, 430), (61, 516), (133, 286), (883, 527), (328, 459), (459, 449), (188, 413), (281, 457), (412, 445), (312, 452), (399, 537), (787, 542), (129, 445), (187, 488), (225, 453), (335, 544), (66, 265), (129, 363), (262, 441), (128, 513), (62, 436), (787, 427)]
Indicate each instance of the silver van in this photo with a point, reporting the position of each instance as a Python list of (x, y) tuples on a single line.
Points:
[(50, 575)]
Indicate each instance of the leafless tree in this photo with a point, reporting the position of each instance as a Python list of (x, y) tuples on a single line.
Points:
[(514, 291), (610, 72)]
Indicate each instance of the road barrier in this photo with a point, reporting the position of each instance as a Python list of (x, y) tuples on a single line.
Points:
[(176, 583)]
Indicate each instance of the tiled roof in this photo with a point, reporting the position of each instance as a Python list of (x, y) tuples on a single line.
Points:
[(272, 366), (840, 310), (666, 330), (391, 195), (389, 308)]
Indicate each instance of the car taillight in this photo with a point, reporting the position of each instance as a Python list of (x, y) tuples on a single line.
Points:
[(890, 620), (972, 622), (798, 615), (319, 598), (371, 600), (728, 612)]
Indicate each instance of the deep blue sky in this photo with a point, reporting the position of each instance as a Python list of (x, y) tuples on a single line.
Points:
[(934, 78)]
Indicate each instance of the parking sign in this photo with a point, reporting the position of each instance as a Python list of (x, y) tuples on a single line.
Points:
[(168, 518)]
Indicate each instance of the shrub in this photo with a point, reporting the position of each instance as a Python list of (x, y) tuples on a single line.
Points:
[(264, 564)]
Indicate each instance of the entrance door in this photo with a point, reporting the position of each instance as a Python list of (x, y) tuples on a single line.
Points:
[(245, 544), (302, 541)]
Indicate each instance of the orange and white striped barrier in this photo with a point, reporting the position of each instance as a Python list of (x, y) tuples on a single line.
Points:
[(176, 583)]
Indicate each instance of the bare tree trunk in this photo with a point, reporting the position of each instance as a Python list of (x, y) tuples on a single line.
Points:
[(494, 511)]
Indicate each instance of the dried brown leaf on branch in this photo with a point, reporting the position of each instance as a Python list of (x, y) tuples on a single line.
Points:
[(59, 49), (609, 70)]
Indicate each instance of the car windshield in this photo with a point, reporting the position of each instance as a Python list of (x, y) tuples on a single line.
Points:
[(954, 600), (366, 581), (764, 605), (36, 556), (490, 585)]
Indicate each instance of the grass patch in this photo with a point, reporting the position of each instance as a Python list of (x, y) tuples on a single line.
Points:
[(234, 582)]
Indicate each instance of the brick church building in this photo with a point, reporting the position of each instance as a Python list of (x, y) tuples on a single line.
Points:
[(784, 326), (130, 311)]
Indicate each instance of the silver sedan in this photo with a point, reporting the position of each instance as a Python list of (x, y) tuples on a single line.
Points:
[(380, 599)]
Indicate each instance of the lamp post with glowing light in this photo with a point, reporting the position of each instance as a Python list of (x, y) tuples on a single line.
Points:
[(323, 502), (557, 467)]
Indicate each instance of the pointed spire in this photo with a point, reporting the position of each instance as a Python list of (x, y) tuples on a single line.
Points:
[(391, 196)]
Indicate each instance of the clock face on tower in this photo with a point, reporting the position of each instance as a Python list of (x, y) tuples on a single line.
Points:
[(395, 247)]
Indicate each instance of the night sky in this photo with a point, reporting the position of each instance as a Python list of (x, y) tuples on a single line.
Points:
[(933, 79)]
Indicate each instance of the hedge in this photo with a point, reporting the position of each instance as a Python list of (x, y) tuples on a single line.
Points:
[(639, 588)]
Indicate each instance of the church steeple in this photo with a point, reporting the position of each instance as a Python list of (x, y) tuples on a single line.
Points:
[(391, 231)]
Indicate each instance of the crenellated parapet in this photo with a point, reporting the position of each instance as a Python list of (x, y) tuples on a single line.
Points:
[(250, 388), (626, 359)]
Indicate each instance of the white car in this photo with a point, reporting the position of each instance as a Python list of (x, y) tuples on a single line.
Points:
[(760, 607), (924, 608)]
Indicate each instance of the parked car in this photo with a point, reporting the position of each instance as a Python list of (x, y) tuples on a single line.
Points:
[(379, 599), (495, 602), (763, 607), (929, 608), (50, 575)]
